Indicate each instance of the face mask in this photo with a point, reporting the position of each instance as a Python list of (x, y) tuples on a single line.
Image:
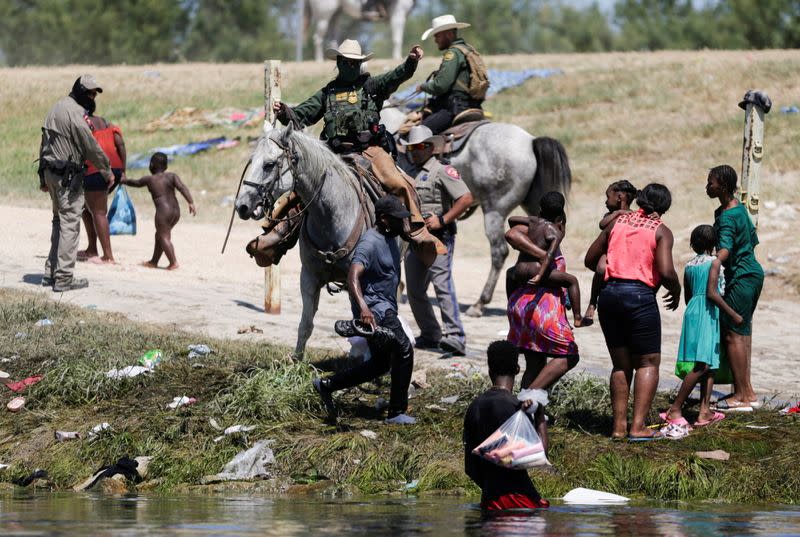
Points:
[(82, 98), (348, 71)]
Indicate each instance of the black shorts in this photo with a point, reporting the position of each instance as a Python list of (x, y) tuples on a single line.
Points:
[(94, 182), (629, 317)]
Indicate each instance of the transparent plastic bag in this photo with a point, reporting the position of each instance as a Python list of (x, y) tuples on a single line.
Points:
[(514, 445)]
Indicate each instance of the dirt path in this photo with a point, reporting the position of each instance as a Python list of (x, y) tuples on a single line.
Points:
[(216, 295)]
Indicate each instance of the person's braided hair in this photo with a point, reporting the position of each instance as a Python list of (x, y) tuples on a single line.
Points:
[(726, 176), (654, 198), (625, 187)]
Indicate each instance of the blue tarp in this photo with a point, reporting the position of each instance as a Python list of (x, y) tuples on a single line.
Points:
[(142, 160), (499, 81)]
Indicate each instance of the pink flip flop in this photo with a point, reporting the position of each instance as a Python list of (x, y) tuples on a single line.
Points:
[(718, 416), (676, 421)]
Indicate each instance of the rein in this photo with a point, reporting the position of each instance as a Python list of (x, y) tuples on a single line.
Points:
[(233, 211)]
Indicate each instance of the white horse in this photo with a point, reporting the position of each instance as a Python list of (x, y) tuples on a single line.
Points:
[(320, 12), (504, 167), (335, 208)]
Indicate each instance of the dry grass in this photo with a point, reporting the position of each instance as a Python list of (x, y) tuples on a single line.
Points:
[(665, 116)]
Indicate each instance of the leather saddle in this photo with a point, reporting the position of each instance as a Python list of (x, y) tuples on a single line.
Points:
[(457, 136)]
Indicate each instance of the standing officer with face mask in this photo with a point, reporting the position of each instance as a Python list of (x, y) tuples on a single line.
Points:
[(67, 142), (444, 198), (350, 107)]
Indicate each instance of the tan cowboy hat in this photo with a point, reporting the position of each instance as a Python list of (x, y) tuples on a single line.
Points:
[(420, 134), (348, 49), (440, 24)]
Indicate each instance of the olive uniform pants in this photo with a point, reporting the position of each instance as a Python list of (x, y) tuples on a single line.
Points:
[(65, 233)]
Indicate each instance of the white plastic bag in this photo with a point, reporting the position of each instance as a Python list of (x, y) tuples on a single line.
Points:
[(514, 445)]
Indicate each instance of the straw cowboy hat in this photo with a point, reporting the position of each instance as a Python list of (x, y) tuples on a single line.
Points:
[(348, 49), (420, 134), (440, 24)]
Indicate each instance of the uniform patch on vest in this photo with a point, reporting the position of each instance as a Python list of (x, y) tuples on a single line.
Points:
[(352, 97), (449, 55), (341, 96), (423, 177), (452, 173)]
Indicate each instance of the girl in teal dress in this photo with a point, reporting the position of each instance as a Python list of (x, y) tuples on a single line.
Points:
[(699, 333)]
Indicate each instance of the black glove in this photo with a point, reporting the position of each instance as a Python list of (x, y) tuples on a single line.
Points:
[(758, 98)]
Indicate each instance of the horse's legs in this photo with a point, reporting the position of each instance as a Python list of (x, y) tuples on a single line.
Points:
[(309, 290), (493, 225)]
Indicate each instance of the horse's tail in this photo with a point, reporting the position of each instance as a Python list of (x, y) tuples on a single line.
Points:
[(552, 172)]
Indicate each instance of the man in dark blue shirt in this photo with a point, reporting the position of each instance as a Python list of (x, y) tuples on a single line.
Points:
[(372, 280), (501, 488)]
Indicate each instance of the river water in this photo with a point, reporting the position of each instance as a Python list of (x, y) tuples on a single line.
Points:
[(76, 514)]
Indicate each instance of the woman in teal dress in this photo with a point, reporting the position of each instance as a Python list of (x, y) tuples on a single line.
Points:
[(699, 334), (744, 278)]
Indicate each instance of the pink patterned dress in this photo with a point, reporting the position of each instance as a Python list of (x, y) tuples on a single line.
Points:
[(537, 318)]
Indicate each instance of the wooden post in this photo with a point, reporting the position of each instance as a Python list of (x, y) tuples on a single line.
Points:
[(272, 93), (752, 153)]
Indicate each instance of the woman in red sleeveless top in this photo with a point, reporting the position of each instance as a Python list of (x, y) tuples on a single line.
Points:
[(96, 191), (639, 260)]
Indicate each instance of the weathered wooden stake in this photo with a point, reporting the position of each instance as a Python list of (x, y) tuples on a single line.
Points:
[(272, 93), (752, 153)]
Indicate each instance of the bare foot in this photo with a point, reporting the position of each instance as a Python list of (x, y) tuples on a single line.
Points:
[(83, 255), (172, 266), (97, 260), (149, 264)]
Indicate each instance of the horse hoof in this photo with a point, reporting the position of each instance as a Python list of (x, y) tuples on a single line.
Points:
[(476, 310)]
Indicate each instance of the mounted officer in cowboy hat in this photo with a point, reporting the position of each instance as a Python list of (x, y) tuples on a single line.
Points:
[(461, 81), (350, 108)]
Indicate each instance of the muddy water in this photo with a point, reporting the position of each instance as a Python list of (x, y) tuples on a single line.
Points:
[(73, 514)]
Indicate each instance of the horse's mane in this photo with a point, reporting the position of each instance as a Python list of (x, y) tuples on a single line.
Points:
[(318, 158)]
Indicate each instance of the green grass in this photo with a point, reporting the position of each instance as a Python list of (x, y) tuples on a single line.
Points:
[(255, 384)]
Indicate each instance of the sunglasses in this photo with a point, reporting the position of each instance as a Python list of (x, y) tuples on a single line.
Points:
[(420, 146)]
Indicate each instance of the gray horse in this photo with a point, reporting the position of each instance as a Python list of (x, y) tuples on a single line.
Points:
[(335, 208), (504, 167)]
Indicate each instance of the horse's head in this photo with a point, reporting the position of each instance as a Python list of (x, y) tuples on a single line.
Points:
[(268, 173)]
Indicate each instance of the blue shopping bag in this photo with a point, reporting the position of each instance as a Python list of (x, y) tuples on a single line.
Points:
[(122, 215)]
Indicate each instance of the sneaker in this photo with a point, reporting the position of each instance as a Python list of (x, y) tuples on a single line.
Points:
[(426, 344), (345, 328), (400, 419), (74, 283), (321, 387), (47, 281), (453, 346)]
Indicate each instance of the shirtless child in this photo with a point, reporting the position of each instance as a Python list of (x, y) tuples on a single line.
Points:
[(162, 185), (544, 235)]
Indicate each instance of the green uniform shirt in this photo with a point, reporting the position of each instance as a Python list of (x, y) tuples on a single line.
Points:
[(347, 108), (736, 233), (66, 136), (439, 186), (453, 69)]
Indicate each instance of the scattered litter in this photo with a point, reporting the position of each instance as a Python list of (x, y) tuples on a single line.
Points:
[(195, 351), (790, 109), (716, 455), (142, 160), (37, 474), (435, 408), (366, 433), (235, 429), (20, 335), (420, 380), (4, 375), (770, 204), (126, 467), (63, 436), (99, 430), (449, 400), (381, 403), (181, 401), (539, 398), (91, 306), (501, 80), (214, 424), (589, 496), (198, 365), (43, 322), (20, 385), (248, 464), (791, 409), (4, 466), (412, 485), (455, 375), (128, 372), (757, 426), (151, 359), (252, 329), (412, 391), (188, 117), (10, 359), (673, 431), (16, 404)]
